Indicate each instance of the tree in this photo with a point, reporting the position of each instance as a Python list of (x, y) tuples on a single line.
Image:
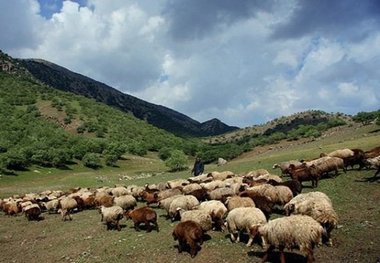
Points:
[(176, 161)]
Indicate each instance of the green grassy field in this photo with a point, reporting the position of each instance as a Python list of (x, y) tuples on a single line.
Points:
[(85, 238)]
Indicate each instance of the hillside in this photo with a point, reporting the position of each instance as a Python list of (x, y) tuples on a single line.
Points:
[(285, 125), (43, 126), (157, 115)]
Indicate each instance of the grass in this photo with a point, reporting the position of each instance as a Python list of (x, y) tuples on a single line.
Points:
[(85, 239)]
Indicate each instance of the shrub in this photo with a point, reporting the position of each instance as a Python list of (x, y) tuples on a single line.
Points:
[(177, 161)]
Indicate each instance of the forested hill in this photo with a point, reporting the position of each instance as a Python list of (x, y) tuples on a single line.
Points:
[(160, 116), (44, 126)]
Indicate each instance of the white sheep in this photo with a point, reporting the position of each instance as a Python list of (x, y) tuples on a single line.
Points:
[(202, 178), (341, 153), (186, 202), (296, 231), (168, 193), (177, 183), (213, 185), (125, 201), (221, 193), (111, 216), (119, 191), (51, 206), (244, 219), (284, 166), (217, 210), (200, 216)]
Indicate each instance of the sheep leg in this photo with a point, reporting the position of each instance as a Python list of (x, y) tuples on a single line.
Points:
[(233, 239), (309, 255), (266, 255), (193, 248), (282, 255), (156, 225), (136, 225), (148, 226), (118, 226)]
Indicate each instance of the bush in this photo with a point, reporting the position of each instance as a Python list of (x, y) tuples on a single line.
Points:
[(164, 153), (92, 160), (177, 161)]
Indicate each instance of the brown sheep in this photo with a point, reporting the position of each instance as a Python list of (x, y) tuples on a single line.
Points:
[(262, 202), (150, 197), (200, 194), (189, 234), (32, 212), (304, 173), (11, 208), (105, 200), (372, 153), (144, 215)]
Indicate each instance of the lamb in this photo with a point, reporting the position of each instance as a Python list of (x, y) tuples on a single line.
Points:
[(186, 202), (217, 210), (144, 215), (32, 212), (66, 205), (296, 231), (126, 202), (188, 234), (284, 166), (244, 219), (111, 216), (237, 201), (202, 217)]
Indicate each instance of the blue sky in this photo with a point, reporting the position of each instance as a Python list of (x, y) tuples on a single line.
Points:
[(244, 62)]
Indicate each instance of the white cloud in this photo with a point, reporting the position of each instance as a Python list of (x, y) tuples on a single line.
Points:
[(228, 61)]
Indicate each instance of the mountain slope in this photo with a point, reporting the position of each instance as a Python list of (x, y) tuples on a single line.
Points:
[(157, 115)]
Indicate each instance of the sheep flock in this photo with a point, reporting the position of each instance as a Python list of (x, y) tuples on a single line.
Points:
[(237, 204)]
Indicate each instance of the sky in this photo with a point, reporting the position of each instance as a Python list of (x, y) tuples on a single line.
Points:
[(244, 62)]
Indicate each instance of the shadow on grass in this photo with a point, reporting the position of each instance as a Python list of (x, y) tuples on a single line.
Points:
[(274, 256), (371, 179)]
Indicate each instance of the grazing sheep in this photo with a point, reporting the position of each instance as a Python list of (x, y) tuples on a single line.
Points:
[(244, 219), (103, 199), (294, 185), (32, 212), (168, 193), (202, 217), (284, 166), (341, 153), (186, 202), (262, 202), (144, 215), (177, 183), (190, 188), (213, 185), (296, 231), (221, 175), (221, 193), (217, 210), (111, 216), (237, 201), (51, 206), (202, 178), (200, 194), (126, 202), (165, 203), (358, 158), (284, 195), (327, 164), (65, 206), (305, 173), (318, 206), (256, 173), (374, 162), (372, 153), (189, 234), (119, 191), (11, 208)]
